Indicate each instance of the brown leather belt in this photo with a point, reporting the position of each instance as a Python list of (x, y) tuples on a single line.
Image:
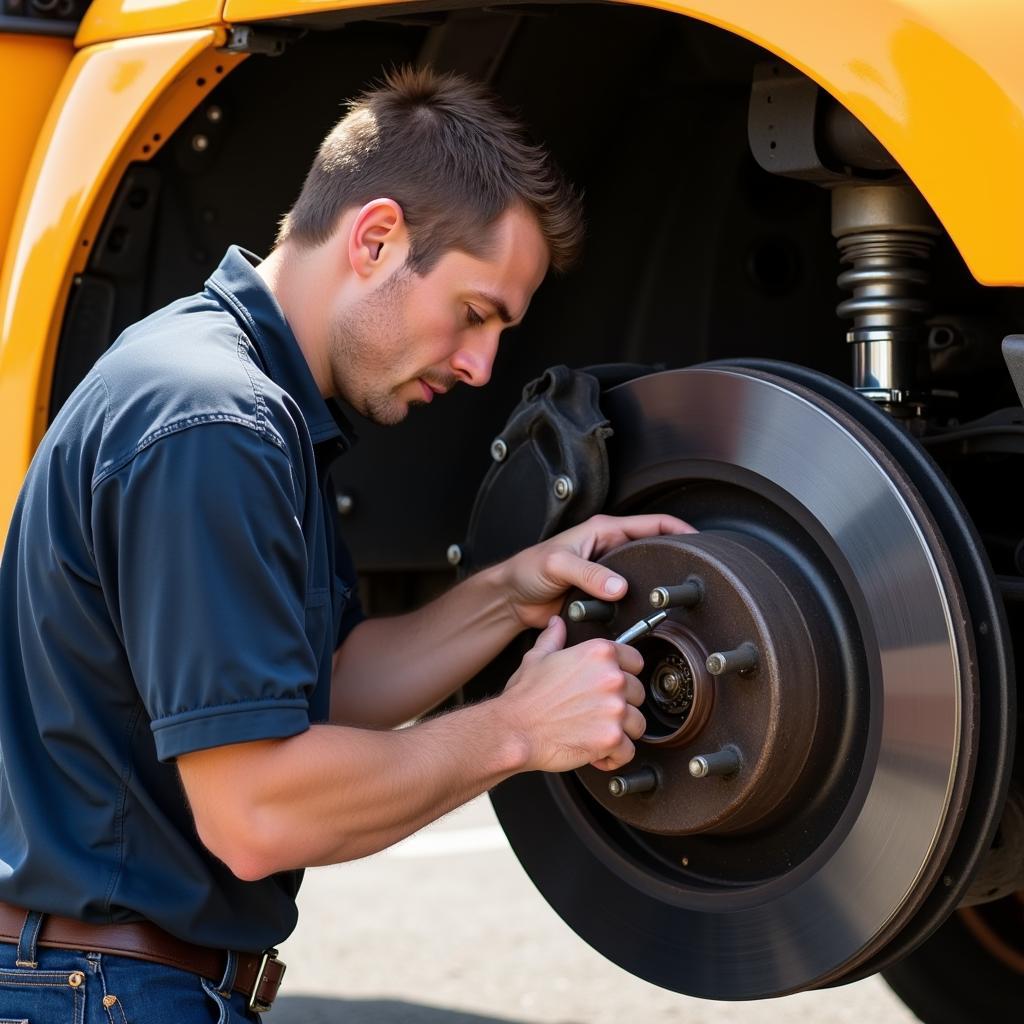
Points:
[(258, 976)]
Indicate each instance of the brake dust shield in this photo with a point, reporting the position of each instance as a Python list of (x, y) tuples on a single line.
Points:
[(855, 732)]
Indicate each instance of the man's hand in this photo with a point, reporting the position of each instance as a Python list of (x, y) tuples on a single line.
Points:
[(335, 793), (577, 706), (538, 578), (426, 654)]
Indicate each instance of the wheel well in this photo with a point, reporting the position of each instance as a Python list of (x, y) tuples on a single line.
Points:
[(693, 251)]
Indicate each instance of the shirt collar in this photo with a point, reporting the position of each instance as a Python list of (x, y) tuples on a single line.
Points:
[(245, 294)]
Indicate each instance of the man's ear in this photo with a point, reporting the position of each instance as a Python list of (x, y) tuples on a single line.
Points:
[(378, 239)]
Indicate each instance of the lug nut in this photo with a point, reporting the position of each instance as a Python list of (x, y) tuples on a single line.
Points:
[(499, 450), (725, 762), (686, 595), (742, 659), (643, 780), (591, 611), (563, 488)]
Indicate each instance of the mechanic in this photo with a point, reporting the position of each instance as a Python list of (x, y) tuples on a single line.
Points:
[(193, 705)]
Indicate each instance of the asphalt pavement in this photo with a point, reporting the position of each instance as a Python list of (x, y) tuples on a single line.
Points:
[(446, 928)]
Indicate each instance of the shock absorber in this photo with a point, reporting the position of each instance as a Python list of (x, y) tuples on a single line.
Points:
[(885, 234)]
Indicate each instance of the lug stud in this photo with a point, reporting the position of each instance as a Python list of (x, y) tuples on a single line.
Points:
[(686, 595), (724, 762), (643, 780), (742, 659), (591, 611)]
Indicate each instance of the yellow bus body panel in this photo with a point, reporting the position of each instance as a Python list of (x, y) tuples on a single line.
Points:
[(117, 103), (106, 20), (31, 68)]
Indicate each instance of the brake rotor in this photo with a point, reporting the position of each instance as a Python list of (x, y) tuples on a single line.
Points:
[(856, 746)]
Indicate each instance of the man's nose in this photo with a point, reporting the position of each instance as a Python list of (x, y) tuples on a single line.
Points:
[(473, 362)]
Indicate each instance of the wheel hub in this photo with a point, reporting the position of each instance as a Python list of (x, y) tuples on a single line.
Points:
[(753, 602)]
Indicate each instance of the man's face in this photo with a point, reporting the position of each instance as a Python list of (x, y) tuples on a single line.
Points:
[(415, 337)]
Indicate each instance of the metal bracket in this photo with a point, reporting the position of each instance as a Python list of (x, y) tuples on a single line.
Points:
[(248, 39), (795, 129), (781, 124)]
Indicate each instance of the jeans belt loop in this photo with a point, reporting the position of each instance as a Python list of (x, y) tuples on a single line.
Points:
[(27, 955), (227, 983)]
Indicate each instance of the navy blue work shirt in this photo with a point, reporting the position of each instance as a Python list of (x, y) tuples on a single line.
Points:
[(170, 583)]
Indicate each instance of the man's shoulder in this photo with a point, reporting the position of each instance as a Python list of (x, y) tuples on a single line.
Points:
[(184, 366)]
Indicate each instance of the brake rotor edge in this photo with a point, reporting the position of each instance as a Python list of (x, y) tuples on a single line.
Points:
[(645, 418), (997, 714)]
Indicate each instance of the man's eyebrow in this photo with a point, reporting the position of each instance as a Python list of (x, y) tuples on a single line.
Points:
[(503, 314)]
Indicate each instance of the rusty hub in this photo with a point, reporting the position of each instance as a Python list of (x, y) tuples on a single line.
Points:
[(768, 713)]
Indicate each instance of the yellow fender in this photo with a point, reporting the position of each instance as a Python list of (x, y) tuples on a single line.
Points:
[(117, 103)]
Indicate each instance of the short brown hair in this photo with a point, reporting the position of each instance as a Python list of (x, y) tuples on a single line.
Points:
[(445, 151)]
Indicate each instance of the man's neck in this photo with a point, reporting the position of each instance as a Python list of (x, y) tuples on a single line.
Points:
[(292, 278)]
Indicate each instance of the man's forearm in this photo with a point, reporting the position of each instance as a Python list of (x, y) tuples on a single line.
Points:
[(390, 670), (334, 794)]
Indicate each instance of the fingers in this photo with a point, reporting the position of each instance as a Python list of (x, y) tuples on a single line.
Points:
[(654, 525), (634, 725), (611, 531), (550, 640), (623, 753), (629, 658), (569, 570), (635, 692)]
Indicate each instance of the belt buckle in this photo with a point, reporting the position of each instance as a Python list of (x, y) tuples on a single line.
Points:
[(256, 1004)]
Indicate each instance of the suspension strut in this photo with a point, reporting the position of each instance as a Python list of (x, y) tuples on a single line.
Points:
[(885, 234)]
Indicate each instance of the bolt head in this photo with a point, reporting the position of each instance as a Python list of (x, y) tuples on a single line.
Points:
[(659, 597), (669, 684), (454, 554), (698, 767), (715, 664), (577, 611), (563, 488), (214, 114), (499, 450), (344, 503), (200, 143), (616, 787)]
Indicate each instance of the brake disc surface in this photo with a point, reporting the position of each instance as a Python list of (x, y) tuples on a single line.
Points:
[(758, 914)]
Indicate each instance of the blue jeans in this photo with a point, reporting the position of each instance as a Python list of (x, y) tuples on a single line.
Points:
[(71, 987)]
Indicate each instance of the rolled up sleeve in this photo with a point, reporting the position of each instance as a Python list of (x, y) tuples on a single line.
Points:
[(201, 553)]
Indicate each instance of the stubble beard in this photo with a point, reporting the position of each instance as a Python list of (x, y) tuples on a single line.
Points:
[(362, 365)]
